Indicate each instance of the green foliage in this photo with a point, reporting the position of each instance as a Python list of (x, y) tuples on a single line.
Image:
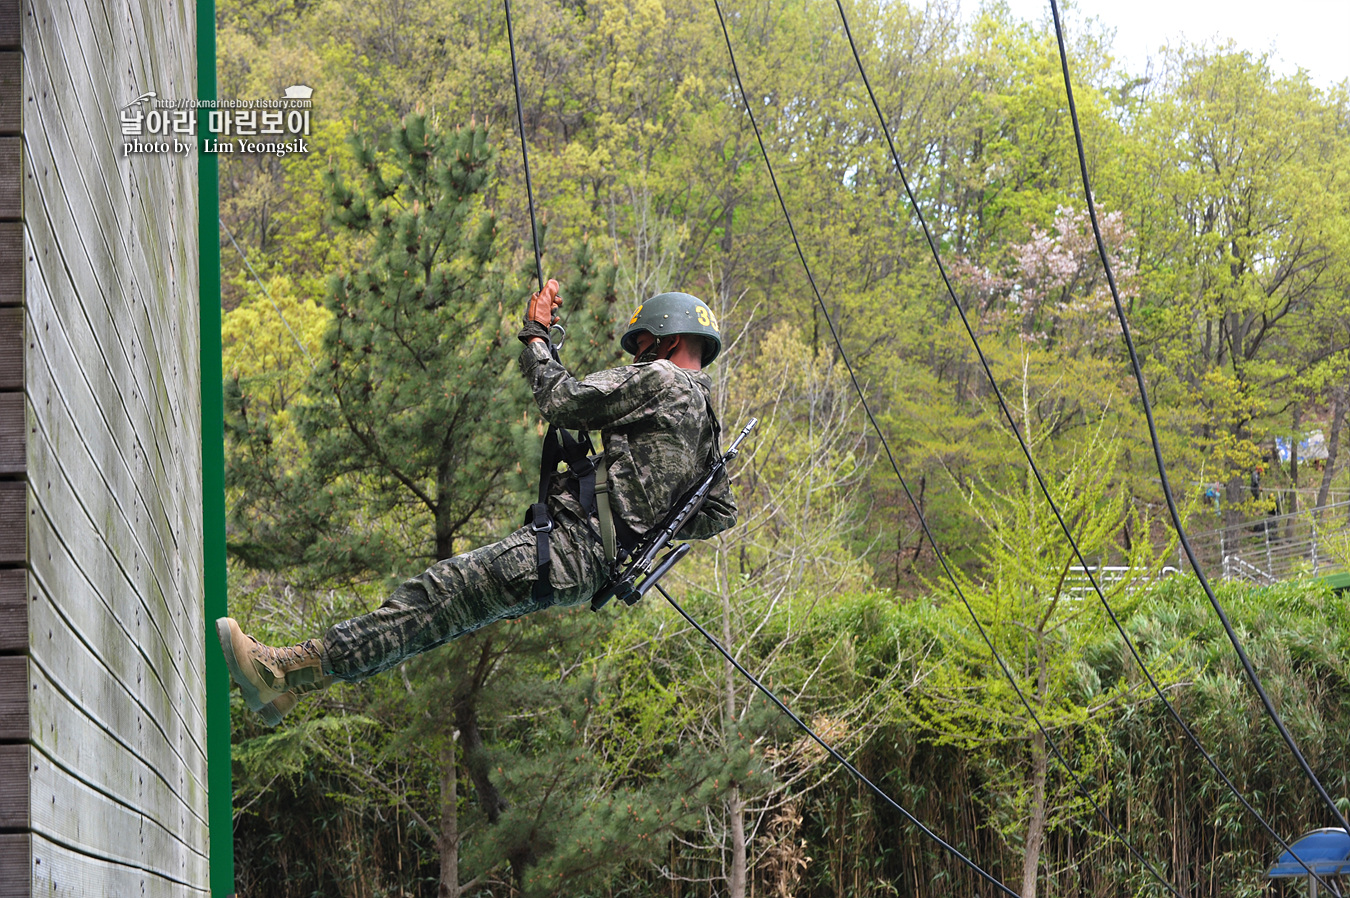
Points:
[(1223, 190), (1032, 605), (413, 394)]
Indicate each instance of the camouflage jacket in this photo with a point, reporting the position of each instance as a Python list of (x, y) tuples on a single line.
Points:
[(657, 436)]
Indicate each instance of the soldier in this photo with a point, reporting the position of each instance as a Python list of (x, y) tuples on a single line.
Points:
[(658, 436)]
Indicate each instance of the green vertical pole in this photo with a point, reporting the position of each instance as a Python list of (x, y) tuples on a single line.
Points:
[(220, 786)]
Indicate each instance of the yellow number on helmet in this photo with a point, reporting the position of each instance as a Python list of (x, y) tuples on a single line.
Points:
[(632, 321), (703, 316)]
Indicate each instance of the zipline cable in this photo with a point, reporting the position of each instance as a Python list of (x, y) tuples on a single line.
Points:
[(988, 877), (524, 148), (1157, 446), (923, 523), (937, 258)]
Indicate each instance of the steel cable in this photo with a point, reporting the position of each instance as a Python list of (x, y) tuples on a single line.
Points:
[(1157, 446), (524, 146), (1138, 658), (923, 523)]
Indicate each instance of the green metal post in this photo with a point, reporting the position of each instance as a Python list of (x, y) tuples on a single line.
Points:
[(220, 784)]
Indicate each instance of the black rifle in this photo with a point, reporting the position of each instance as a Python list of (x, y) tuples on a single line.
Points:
[(624, 582)]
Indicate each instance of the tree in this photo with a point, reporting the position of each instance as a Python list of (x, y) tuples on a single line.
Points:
[(414, 397), (1041, 618), (762, 585), (1241, 237)]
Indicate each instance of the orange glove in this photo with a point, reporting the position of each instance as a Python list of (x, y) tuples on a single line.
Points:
[(543, 306)]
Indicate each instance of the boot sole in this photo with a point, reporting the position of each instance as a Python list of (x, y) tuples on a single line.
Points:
[(251, 696), (271, 713)]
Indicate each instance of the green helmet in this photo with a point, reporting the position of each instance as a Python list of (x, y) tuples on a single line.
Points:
[(674, 313)]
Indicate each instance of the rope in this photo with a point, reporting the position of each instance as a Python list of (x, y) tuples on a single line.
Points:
[(1026, 451), (988, 877), (1157, 447), (923, 523), (524, 149)]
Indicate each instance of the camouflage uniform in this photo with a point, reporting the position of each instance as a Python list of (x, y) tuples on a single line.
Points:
[(658, 441)]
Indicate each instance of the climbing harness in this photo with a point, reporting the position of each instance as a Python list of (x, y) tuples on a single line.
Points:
[(576, 452), (630, 557)]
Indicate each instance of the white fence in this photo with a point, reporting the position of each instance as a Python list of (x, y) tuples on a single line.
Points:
[(1310, 543)]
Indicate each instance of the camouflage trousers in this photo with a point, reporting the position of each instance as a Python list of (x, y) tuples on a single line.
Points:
[(461, 594)]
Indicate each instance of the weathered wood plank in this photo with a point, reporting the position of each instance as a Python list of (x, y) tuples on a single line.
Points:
[(13, 457), (13, 698), (102, 350), (11, 176), (11, 349), (11, 263), (142, 766), (11, 92), (79, 147), (116, 369), (128, 471), (115, 686), (145, 182), (73, 737), (116, 541), (15, 880), (139, 235), (13, 611), (55, 381), (66, 810), (11, 14), (76, 495), (64, 340), (14, 794), (58, 872)]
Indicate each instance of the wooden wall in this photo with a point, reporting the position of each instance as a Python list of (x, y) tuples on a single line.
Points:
[(102, 731)]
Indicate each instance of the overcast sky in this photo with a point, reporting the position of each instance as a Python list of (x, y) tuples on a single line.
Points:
[(1314, 34)]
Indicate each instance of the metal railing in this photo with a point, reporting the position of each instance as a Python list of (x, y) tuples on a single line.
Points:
[(1313, 542), (1109, 577), (1310, 543)]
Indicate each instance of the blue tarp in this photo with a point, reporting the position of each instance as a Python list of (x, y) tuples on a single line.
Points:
[(1312, 447)]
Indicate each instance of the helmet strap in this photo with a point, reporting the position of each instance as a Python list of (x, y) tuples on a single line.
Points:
[(651, 354)]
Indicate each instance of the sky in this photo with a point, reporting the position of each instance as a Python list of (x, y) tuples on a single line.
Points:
[(1314, 34)]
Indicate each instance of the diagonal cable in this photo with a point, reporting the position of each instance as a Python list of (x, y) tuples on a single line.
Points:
[(1157, 447), (905, 485), (988, 877), (932, 245)]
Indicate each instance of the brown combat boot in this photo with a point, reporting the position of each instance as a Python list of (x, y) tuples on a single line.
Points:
[(270, 678)]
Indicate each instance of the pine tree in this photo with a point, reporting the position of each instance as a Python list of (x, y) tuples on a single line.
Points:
[(418, 433), (415, 418)]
